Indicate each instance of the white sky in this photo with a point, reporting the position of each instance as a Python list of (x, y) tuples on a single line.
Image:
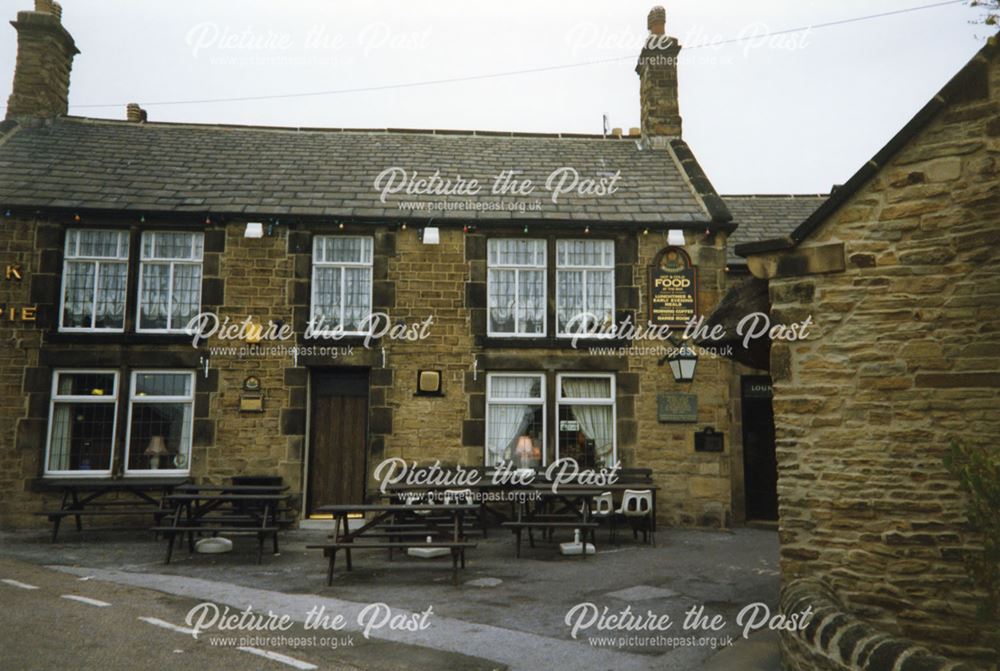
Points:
[(795, 116)]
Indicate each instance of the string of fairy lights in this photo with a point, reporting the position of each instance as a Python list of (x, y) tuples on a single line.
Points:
[(275, 222)]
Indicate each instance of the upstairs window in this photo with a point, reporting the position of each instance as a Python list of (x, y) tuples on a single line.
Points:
[(170, 280), (516, 287), (341, 283), (585, 286), (95, 278)]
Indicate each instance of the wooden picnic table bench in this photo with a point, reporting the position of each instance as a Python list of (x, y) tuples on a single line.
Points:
[(450, 536), (215, 509), (88, 497)]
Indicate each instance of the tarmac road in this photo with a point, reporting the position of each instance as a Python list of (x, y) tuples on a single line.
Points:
[(53, 621)]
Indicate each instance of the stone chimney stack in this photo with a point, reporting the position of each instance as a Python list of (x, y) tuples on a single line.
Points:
[(134, 113), (657, 70), (45, 52)]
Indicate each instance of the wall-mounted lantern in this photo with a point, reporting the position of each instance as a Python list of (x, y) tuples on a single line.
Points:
[(254, 229), (682, 363)]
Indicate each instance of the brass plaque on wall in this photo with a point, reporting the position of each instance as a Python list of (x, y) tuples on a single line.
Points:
[(677, 408)]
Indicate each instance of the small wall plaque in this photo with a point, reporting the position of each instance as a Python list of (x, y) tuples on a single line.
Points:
[(708, 440), (677, 408), (252, 401)]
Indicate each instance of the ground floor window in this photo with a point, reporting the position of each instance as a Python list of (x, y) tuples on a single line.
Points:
[(515, 419), (160, 420), (84, 422), (586, 419)]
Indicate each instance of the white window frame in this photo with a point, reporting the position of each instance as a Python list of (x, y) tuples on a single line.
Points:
[(172, 262), (517, 268), (516, 401), (561, 401), (132, 400), (97, 261), (342, 266), (88, 398), (585, 270)]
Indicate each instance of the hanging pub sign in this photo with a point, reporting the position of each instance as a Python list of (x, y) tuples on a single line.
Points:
[(673, 288)]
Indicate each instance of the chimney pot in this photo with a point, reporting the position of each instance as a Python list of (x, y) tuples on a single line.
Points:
[(633, 131), (617, 132), (657, 20), (56, 10), (134, 113)]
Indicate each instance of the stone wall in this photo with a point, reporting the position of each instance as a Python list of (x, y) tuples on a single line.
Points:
[(834, 640), (903, 359), (268, 279)]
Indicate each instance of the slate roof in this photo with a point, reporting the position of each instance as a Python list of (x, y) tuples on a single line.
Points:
[(765, 217), (79, 163)]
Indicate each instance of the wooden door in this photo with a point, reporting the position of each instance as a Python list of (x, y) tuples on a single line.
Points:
[(338, 438), (760, 465)]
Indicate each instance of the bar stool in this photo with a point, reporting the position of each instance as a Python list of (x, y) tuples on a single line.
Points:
[(637, 506)]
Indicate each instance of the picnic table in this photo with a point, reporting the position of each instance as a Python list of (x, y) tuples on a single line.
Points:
[(541, 513), (90, 497), (396, 523), (237, 509)]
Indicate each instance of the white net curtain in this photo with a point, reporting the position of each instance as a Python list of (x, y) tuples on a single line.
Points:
[(516, 286), (95, 278), (515, 408), (342, 281), (584, 284), (595, 421), (170, 291)]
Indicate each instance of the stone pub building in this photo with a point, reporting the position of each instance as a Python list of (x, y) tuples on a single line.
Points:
[(116, 233)]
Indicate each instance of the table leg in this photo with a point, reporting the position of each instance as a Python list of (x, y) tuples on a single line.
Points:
[(76, 506), (329, 571), (347, 551), (56, 521), (454, 566)]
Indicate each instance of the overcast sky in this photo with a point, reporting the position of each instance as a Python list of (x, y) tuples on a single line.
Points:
[(790, 114)]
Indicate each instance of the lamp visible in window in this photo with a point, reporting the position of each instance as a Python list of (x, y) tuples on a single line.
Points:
[(429, 382), (157, 448), (524, 452)]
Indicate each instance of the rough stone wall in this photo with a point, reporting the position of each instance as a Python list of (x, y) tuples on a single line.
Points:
[(834, 640), (18, 461), (695, 487), (269, 279), (44, 58), (903, 360)]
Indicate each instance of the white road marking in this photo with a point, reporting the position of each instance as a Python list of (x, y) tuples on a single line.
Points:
[(86, 600), (278, 657), (166, 625), (16, 583)]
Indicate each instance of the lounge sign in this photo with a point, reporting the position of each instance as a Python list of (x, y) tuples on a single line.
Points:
[(673, 288)]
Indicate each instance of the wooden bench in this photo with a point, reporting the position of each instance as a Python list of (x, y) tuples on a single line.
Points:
[(172, 531), (519, 526), (89, 497), (330, 550)]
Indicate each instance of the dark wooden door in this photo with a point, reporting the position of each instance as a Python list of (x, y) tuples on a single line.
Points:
[(338, 438), (760, 464)]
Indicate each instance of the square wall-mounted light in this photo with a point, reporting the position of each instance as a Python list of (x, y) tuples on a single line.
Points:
[(254, 229), (429, 382), (430, 235)]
